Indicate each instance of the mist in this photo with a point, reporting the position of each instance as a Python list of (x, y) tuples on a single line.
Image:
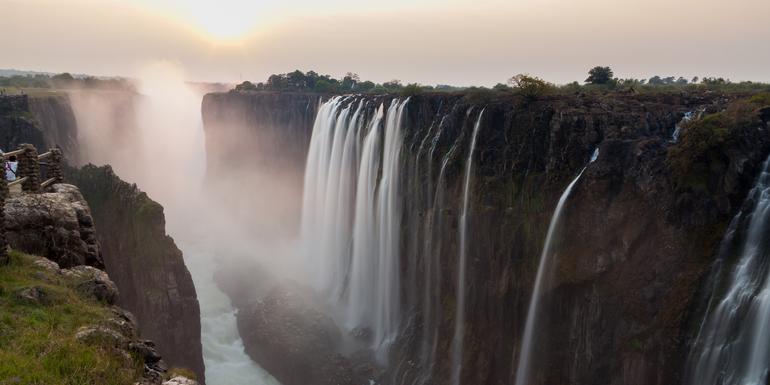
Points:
[(220, 221)]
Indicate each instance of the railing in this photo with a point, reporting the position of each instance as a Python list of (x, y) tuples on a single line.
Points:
[(28, 175), (28, 172)]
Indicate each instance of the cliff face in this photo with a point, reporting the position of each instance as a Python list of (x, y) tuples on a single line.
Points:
[(54, 115), (17, 124), (145, 264), (250, 131), (637, 236), (44, 121), (258, 142)]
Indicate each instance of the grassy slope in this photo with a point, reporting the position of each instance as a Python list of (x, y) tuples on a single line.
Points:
[(37, 343)]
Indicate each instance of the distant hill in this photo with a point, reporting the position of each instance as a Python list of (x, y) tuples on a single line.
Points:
[(14, 72)]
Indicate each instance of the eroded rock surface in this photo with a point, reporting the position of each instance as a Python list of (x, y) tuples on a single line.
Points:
[(57, 225), (289, 336), (93, 283)]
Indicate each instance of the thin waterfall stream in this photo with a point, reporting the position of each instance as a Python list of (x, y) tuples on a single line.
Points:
[(525, 353), (457, 340)]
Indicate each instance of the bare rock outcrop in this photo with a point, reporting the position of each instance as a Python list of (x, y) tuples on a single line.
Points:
[(57, 225), (294, 340), (94, 283)]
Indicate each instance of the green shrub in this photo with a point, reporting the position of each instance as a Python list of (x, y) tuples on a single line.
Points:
[(479, 95), (760, 100), (411, 89), (530, 87), (701, 142)]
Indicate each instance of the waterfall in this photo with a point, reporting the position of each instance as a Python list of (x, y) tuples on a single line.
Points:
[(733, 344), (351, 213), (431, 250), (522, 369), (688, 116), (457, 340)]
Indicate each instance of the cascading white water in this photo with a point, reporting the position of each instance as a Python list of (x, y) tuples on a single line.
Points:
[(688, 116), (457, 340), (733, 344), (351, 213), (525, 353)]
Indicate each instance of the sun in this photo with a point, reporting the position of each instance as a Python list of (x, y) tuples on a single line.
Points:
[(228, 20), (225, 20)]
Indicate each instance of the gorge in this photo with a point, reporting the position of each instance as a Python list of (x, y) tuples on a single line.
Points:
[(610, 311), (431, 238)]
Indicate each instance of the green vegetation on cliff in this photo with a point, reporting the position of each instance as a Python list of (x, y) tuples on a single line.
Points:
[(700, 149), (601, 79), (37, 82), (40, 315)]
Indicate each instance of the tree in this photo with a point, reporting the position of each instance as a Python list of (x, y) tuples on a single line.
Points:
[(655, 81), (246, 86), (365, 86), (411, 89), (296, 80), (323, 85), (349, 81), (715, 81), (63, 79), (529, 86), (392, 85), (600, 75), (66, 76), (501, 87), (277, 82)]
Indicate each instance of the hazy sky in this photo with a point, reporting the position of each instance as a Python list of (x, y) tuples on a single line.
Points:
[(460, 42)]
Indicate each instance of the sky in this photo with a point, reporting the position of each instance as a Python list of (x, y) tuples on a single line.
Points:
[(458, 42)]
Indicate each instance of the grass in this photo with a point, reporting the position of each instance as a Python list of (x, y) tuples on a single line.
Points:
[(174, 372), (36, 92), (37, 343)]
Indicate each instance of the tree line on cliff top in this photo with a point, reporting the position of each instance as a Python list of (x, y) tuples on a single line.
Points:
[(600, 78), (65, 80)]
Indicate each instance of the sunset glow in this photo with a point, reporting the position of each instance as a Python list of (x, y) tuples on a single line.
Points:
[(225, 20), (414, 41)]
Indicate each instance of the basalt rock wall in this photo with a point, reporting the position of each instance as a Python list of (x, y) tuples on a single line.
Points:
[(635, 242), (145, 264)]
